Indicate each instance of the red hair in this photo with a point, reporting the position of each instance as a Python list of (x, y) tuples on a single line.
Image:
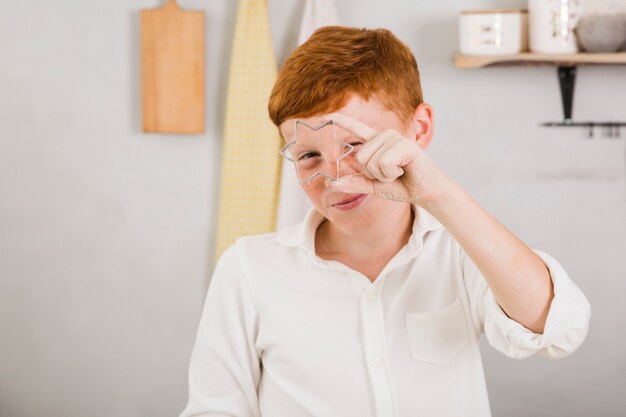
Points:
[(321, 74)]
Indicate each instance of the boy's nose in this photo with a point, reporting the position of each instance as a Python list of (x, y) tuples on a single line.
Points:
[(349, 166), (342, 167)]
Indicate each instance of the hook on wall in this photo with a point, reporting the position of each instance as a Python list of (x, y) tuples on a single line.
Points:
[(567, 80), (610, 130)]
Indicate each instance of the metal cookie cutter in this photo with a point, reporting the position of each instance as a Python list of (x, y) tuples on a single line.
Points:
[(316, 151)]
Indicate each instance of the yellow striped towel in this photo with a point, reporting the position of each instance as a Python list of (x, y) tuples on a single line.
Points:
[(251, 161)]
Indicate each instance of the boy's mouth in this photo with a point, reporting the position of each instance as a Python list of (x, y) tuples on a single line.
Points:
[(350, 202)]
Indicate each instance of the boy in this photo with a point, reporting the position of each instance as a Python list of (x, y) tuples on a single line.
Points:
[(374, 305)]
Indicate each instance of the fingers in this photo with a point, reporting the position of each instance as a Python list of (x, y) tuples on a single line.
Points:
[(390, 166), (373, 165), (365, 154), (353, 184), (352, 125), (385, 157), (358, 184)]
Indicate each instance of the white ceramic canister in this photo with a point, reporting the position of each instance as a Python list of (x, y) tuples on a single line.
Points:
[(552, 24), (493, 32)]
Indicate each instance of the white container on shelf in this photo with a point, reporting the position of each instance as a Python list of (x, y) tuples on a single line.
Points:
[(552, 24), (493, 32)]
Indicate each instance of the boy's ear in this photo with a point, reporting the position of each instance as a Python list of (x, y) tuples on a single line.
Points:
[(423, 122)]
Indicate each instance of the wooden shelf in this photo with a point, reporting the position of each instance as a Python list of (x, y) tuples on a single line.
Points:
[(566, 71), (531, 59)]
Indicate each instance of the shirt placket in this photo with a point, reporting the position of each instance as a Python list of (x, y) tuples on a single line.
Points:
[(374, 340)]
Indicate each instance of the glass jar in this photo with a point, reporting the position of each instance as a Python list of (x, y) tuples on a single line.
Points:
[(552, 24)]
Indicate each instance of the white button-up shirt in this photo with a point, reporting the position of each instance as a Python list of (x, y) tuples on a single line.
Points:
[(285, 333)]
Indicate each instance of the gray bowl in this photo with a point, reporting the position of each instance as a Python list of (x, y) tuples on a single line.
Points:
[(601, 33)]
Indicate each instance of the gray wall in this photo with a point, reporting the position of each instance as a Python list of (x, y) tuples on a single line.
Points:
[(106, 234)]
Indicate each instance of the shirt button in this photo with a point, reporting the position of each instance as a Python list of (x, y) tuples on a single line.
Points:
[(376, 362), (371, 297)]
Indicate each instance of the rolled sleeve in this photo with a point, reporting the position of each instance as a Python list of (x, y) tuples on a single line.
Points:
[(566, 325)]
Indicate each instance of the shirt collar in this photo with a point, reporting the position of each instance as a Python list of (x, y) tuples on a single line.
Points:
[(303, 234)]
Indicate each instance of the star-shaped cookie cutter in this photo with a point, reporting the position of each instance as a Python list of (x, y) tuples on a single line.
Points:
[(285, 150)]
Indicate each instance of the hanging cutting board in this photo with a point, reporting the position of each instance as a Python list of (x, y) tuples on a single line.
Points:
[(172, 69)]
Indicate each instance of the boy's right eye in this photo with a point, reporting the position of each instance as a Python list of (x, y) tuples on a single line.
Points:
[(308, 155)]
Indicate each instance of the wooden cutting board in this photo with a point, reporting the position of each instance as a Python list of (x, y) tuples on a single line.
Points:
[(172, 69)]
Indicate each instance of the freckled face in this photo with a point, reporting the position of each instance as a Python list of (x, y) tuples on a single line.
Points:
[(353, 210)]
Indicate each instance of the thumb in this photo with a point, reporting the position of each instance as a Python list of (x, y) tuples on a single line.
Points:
[(353, 184)]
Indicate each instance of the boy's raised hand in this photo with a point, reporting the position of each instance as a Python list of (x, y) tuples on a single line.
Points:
[(394, 167)]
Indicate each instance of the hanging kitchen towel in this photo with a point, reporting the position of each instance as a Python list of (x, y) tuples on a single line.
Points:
[(251, 159), (317, 13), (293, 203)]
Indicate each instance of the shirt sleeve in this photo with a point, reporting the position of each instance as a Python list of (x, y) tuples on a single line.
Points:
[(566, 325), (225, 369)]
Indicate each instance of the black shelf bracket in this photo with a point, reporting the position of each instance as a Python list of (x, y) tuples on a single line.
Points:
[(567, 80)]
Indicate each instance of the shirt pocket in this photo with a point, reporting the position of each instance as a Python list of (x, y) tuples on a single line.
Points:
[(437, 336)]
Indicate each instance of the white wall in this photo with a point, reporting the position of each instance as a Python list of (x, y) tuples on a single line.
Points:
[(106, 233)]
